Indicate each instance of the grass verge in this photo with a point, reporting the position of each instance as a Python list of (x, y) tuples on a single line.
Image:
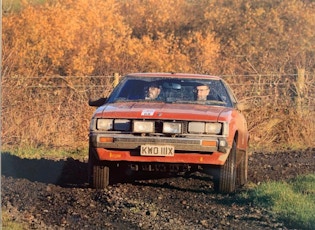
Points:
[(52, 153), (293, 201), (8, 221)]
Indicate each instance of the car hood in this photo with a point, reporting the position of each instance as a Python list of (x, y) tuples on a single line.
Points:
[(149, 110)]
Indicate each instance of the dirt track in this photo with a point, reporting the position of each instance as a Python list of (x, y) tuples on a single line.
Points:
[(46, 194)]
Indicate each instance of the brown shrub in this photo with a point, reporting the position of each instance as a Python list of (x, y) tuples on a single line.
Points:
[(50, 111)]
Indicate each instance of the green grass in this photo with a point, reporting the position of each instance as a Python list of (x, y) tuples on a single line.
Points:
[(8, 221), (293, 202), (16, 5), (47, 153)]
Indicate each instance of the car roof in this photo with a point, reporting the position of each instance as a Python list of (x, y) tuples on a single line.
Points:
[(174, 75)]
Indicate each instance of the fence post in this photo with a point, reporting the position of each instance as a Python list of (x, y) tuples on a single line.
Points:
[(116, 79), (300, 84)]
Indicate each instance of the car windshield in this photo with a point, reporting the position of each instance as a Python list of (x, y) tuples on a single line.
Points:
[(170, 90)]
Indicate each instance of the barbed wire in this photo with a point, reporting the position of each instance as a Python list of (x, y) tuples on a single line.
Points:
[(265, 87)]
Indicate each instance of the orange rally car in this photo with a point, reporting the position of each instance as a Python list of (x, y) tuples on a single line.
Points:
[(169, 122)]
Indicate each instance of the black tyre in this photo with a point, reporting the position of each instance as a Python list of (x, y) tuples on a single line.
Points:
[(241, 171), (98, 172), (100, 176), (224, 177)]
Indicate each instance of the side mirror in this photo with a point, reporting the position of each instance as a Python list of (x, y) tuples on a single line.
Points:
[(241, 106), (97, 102)]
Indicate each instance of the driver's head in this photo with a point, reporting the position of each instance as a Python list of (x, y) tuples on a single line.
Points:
[(202, 91), (153, 91)]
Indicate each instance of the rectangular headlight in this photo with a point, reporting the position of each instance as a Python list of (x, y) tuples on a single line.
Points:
[(143, 126), (104, 124), (196, 127), (172, 127), (213, 128), (122, 125)]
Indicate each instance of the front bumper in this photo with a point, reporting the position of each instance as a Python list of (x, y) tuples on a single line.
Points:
[(187, 150), (189, 144)]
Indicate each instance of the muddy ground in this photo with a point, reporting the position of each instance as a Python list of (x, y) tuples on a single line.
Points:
[(50, 194)]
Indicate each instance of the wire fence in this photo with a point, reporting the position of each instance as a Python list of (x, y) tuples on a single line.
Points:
[(54, 111), (281, 89)]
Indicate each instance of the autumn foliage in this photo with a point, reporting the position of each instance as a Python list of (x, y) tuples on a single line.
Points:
[(61, 39), (99, 37)]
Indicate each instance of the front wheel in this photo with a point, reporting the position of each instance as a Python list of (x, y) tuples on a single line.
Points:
[(242, 170), (224, 177), (98, 173), (101, 176)]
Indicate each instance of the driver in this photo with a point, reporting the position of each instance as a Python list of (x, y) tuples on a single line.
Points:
[(154, 91), (202, 92)]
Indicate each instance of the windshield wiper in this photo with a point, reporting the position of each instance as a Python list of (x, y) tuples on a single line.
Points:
[(215, 102), (137, 100), (206, 102), (183, 102)]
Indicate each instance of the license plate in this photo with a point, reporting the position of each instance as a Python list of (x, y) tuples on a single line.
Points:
[(157, 150)]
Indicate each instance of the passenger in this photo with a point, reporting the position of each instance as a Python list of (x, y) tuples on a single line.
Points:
[(202, 92)]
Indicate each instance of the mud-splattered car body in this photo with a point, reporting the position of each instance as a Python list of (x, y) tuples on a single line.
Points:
[(172, 133)]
